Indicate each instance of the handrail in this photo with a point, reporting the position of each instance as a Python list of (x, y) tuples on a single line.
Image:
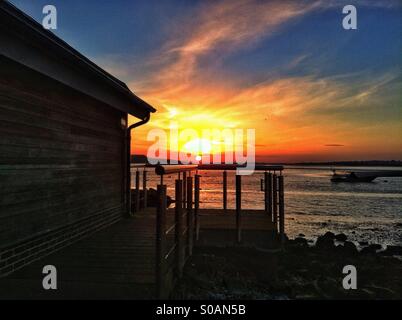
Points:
[(170, 229), (171, 250), (138, 165), (173, 168), (232, 167), (186, 223), (183, 227), (177, 168)]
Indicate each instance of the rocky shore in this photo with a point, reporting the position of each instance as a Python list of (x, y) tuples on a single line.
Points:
[(298, 270)]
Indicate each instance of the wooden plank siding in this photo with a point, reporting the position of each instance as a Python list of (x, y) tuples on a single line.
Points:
[(62, 156)]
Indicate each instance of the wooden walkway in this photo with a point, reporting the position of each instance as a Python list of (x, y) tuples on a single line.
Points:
[(218, 228), (119, 262)]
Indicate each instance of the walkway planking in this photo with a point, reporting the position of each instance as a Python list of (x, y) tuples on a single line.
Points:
[(218, 228), (221, 219), (119, 262)]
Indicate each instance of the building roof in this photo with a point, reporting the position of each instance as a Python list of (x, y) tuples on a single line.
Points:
[(26, 41)]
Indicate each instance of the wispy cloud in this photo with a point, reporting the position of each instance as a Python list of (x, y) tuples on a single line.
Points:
[(221, 26)]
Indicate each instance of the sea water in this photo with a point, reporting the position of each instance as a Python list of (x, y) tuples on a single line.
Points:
[(313, 204)]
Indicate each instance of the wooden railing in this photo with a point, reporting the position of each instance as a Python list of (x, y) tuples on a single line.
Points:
[(274, 200), (183, 226), (273, 187)]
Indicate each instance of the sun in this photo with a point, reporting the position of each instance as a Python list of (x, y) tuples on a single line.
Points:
[(197, 146)]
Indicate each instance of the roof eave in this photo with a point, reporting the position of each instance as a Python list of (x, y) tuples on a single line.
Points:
[(37, 39)]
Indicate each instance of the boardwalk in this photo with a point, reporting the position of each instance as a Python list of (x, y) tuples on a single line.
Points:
[(119, 262)]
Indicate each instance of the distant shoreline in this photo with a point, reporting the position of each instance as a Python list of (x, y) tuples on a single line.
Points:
[(355, 163), (374, 163)]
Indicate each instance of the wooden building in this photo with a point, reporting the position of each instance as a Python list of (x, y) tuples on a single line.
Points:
[(64, 142)]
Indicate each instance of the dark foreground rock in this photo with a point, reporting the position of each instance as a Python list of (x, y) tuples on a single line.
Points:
[(326, 242), (341, 237), (301, 241), (371, 249), (393, 250), (350, 248), (296, 271)]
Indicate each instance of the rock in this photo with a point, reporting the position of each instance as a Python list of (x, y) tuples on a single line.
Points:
[(375, 246), (301, 235), (329, 235), (301, 241), (349, 248), (393, 250), (368, 250), (341, 237), (326, 241), (298, 242)]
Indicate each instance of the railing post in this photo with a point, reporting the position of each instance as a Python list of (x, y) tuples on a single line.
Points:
[(160, 240), (137, 191), (268, 186), (179, 227), (225, 190), (266, 202), (238, 207), (275, 200), (281, 209), (190, 220), (184, 187), (197, 205), (144, 187)]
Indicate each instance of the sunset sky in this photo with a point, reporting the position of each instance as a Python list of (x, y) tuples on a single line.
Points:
[(311, 90)]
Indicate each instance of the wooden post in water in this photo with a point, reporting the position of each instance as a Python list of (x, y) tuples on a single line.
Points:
[(266, 202), (179, 227), (144, 188), (275, 200), (190, 219), (281, 209), (137, 191), (184, 187), (225, 190), (160, 240), (197, 205), (238, 207), (268, 186)]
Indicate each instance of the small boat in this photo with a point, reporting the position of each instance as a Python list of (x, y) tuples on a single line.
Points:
[(351, 176), (362, 176)]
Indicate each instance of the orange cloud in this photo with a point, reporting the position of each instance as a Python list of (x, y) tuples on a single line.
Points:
[(292, 116)]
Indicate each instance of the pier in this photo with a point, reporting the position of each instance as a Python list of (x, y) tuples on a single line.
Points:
[(142, 256)]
